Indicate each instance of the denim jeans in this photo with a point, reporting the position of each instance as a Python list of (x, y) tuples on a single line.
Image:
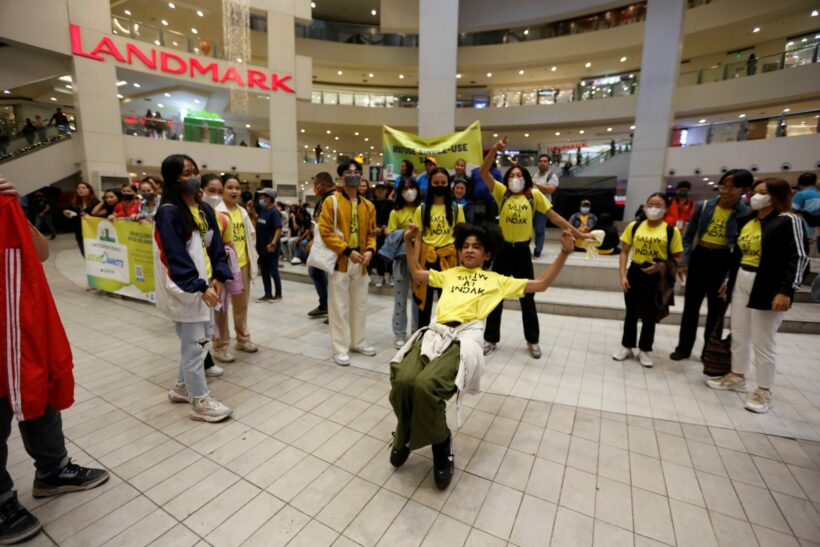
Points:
[(196, 340), (320, 282), (404, 288), (539, 222)]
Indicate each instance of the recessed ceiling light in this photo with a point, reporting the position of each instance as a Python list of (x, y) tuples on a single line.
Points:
[(521, 72), (526, 31), (164, 23), (248, 126), (305, 147), (632, 127), (127, 12), (156, 42), (328, 131), (366, 139), (705, 179), (7, 92), (557, 133), (119, 96), (489, 75), (623, 59), (553, 69), (160, 105), (339, 72), (301, 131), (136, 84), (372, 147), (336, 137), (199, 12), (609, 129), (356, 133), (167, 94), (195, 31), (756, 29), (588, 64), (54, 98), (401, 76), (581, 131), (371, 75), (373, 12), (742, 116), (171, 5), (787, 110), (313, 5), (703, 120), (711, 183), (495, 135), (458, 76)]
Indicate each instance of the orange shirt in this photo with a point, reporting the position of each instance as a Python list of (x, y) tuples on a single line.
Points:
[(678, 215)]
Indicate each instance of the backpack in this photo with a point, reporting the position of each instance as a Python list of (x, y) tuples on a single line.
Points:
[(670, 233), (455, 216)]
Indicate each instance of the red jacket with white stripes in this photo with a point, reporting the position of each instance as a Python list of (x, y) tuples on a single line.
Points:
[(34, 351)]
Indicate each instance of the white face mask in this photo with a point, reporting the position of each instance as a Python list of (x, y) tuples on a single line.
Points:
[(409, 195), (760, 201), (516, 185), (212, 199), (654, 213)]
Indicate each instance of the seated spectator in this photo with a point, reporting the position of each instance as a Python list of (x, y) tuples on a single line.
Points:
[(129, 206), (584, 220), (105, 208), (606, 224)]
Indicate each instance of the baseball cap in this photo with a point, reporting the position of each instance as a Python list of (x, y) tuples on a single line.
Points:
[(431, 159), (270, 192)]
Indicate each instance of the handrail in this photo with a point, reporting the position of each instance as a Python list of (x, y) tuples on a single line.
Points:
[(164, 37), (753, 65), (788, 124), (173, 128), (24, 145)]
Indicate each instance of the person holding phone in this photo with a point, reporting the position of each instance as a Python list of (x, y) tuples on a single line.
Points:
[(190, 268), (347, 225)]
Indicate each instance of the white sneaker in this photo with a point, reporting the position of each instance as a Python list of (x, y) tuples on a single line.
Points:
[(623, 354), (223, 356), (728, 382), (399, 342), (341, 359), (378, 280), (215, 371), (178, 393), (207, 409), (247, 347), (645, 359), (760, 401), (365, 350), (489, 348), (295, 260)]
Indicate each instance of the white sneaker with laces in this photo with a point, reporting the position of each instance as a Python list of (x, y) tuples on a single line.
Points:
[(645, 359), (760, 401), (215, 371), (489, 348), (341, 359), (207, 409), (366, 350), (178, 393), (247, 347), (399, 342), (728, 382), (224, 356), (623, 354)]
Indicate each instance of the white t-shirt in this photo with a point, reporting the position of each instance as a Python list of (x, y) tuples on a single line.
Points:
[(547, 178)]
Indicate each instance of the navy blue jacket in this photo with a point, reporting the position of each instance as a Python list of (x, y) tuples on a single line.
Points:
[(700, 221)]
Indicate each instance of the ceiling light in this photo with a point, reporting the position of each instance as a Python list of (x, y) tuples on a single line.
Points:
[(609, 129), (328, 131), (164, 23), (557, 133), (171, 5), (526, 135), (372, 147), (156, 42), (305, 147), (136, 84), (356, 133), (632, 127), (239, 59), (127, 12), (167, 94), (301, 131), (336, 137), (66, 78), (705, 179), (703, 120), (526, 31), (54, 98), (581, 131), (623, 59), (756, 29), (789, 44), (521, 72), (366, 139), (588, 64), (160, 105), (313, 5), (495, 135), (489, 75), (175, 43), (339, 72), (401, 76), (247, 126), (554, 68), (815, 13), (119, 96), (787, 110), (373, 12), (68, 86), (199, 12), (195, 31), (742, 116), (7, 92), (458, 76), (371, 75), (711, 183)]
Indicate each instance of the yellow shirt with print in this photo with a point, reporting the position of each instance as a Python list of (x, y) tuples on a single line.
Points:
[(202, 228), (515, 217), (650, 242), (750, 244), (354, 225), (716, 231), (439, 234), (240, 238), (470, 294), (400, 218)]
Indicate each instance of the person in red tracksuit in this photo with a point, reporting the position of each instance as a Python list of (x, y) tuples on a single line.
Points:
[(36, 380)]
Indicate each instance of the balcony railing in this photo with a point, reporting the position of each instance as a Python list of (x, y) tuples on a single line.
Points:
[(206, 46), (749, 129), (18, 146), (752, 66), (174, 128)]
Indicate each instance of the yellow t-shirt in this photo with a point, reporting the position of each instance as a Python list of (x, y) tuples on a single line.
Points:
[(515, 217), (650, 243), (354, 225), (716, 231), (439, 234), (202, 227), (400, 218), (240, 238), (749, 242), (471, 294)]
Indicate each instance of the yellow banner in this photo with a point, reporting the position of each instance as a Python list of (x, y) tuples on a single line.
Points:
[(400, 145)]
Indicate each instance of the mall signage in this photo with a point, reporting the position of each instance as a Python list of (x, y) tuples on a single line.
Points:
[(171, 63)]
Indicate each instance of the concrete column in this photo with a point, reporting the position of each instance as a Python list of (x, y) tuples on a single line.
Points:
[(656, 92), (282, 108), (99, 136), (438, 53)]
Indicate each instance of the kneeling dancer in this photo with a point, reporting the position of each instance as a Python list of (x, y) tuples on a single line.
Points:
[(447, 357)]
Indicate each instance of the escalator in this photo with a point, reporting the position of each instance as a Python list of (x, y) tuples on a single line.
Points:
[(32, 165)]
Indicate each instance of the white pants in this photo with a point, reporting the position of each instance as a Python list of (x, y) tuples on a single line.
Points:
[(347, 309), (753, 331)]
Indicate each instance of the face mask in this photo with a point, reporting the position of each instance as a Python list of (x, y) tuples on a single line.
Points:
[(352, 181), (584, 210), (191, 185), (148, 196), (128, 197), (263, 203), (516, 185), (409, 195), (438, 190), (212, 200), (760, 201), (654, 213), (683, 194)]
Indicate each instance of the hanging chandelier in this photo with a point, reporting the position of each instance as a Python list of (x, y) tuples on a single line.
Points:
[(236, 33)]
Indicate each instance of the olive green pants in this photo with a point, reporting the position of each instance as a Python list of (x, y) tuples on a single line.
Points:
[(420, 389)]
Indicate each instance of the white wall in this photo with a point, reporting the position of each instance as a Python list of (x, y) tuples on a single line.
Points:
[(42, 167), (217, 157)]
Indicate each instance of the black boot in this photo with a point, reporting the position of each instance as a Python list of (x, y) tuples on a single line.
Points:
[(443, 463), (399, 455)]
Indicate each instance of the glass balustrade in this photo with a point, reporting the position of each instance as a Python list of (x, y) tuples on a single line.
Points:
[(17, 143), (176, 128), (772, 127), (206, 46)]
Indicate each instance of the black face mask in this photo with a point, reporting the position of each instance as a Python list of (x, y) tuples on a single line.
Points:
[(127, 197), (148, 196), (683, 194), (191, 185), (438, 190)]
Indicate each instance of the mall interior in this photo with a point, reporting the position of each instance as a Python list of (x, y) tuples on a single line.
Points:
[(626, 98)]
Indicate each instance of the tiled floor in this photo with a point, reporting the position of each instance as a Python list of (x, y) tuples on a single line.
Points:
[(573, 449)]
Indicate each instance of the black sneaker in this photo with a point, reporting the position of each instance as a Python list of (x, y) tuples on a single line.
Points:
[(16, 523), (443, 463), (398, 457), (678, 355), (72, 478), (265, 299), (317, 312), (276, 298)]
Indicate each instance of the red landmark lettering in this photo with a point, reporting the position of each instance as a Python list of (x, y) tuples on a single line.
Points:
[(181, 67), (211, 67), (107, 47), (279, 83), (232, 74), (77, 44), (149, 62), (257, 78)]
